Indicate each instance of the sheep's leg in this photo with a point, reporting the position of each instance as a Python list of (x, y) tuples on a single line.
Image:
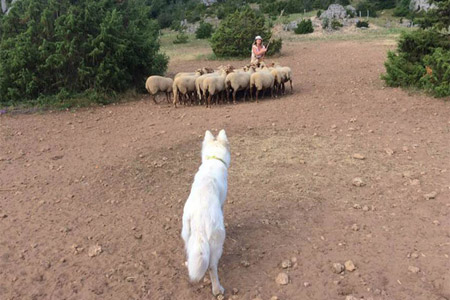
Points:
[(251, 93), (208, 103), (154, 98), (283, 88), (292, 90), (257, 91), (271, 92), (234, 97)]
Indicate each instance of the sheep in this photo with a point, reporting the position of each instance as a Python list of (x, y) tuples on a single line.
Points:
[(278, 80), (155, 84), (239, 80), (184, 85), (199, 85), (201, 71), (213, 85), (261, 80), (286, 75)]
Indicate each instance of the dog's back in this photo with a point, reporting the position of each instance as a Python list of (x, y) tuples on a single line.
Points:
[(203, 226)]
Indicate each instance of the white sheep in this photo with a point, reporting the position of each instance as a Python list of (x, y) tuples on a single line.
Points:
[(184, 86), (239, 80), (156, 84), (215, 85), (201, 71), (261, 80), (199, 86), (286, 75)]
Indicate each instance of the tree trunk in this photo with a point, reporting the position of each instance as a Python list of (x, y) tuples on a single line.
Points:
[(4, 6)]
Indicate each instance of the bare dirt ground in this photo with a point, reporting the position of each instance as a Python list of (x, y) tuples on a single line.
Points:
[(91, 200)]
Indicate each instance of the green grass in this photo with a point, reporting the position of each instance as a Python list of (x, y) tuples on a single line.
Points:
[(384, 33), (192, 50)]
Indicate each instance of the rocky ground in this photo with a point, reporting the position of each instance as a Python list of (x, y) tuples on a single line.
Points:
[(337, 191)]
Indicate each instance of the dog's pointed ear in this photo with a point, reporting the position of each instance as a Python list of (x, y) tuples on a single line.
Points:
[(222, 136), (208, 136)]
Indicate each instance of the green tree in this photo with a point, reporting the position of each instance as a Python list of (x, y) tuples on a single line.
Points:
[(304, 27), (51, 47), (236, 33), (204, 31)]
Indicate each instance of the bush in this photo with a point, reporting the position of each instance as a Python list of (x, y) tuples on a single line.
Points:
[(204, 31), (350, 13), (437, 78), (362, 24), (325, 23), (181, 38), (68, 47), (319, 12), (304, 27), (335, 24), (422, 60), (235, 34)]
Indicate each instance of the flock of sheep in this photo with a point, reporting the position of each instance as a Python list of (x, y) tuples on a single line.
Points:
[(205, 85)]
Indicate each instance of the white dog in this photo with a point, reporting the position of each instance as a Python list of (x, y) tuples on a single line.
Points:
[(203, 227)]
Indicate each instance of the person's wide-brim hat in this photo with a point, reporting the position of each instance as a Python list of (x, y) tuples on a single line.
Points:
[(258, 37)]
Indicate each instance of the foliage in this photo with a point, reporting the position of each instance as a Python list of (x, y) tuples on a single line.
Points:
[(181, 37), (422, 60), (319, 12), (335, 24), (236, 33), (325, 23), (362, 24), (402, 9), (304, 27), (365, 6), (437, 79), (204, 31), (438, 18), (63, 47)]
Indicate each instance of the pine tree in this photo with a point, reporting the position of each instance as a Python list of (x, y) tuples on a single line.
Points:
[(50, 47)]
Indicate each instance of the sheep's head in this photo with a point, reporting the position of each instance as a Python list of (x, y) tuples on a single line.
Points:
[(208, 70)]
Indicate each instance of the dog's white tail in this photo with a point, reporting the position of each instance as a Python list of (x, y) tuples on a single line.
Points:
[(198, 257)]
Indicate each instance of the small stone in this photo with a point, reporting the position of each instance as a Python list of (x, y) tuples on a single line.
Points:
[(436, 222), (95, 250), (389, 151), (338, 268), (413, 269), (351, 297), (130, 279), (350, 266), (431, 195), (3, 216), (358, 156), (415, 182), (286, 264), (245, 263), (235, 291), (294, 259), (138, 236), (356, 206), (274, 298), (365, 208), (306, 284), (357, 181), (282, 279), (415, 255), (220, 297), (355, 227)]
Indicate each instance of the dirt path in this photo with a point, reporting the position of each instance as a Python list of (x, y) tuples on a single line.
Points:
[(117, 178)]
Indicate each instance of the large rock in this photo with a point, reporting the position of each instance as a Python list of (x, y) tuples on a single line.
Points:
[(334, 11), (209, 2), (418, 5)]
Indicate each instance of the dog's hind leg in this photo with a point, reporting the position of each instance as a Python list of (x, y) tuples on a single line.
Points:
[(216, 245)]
